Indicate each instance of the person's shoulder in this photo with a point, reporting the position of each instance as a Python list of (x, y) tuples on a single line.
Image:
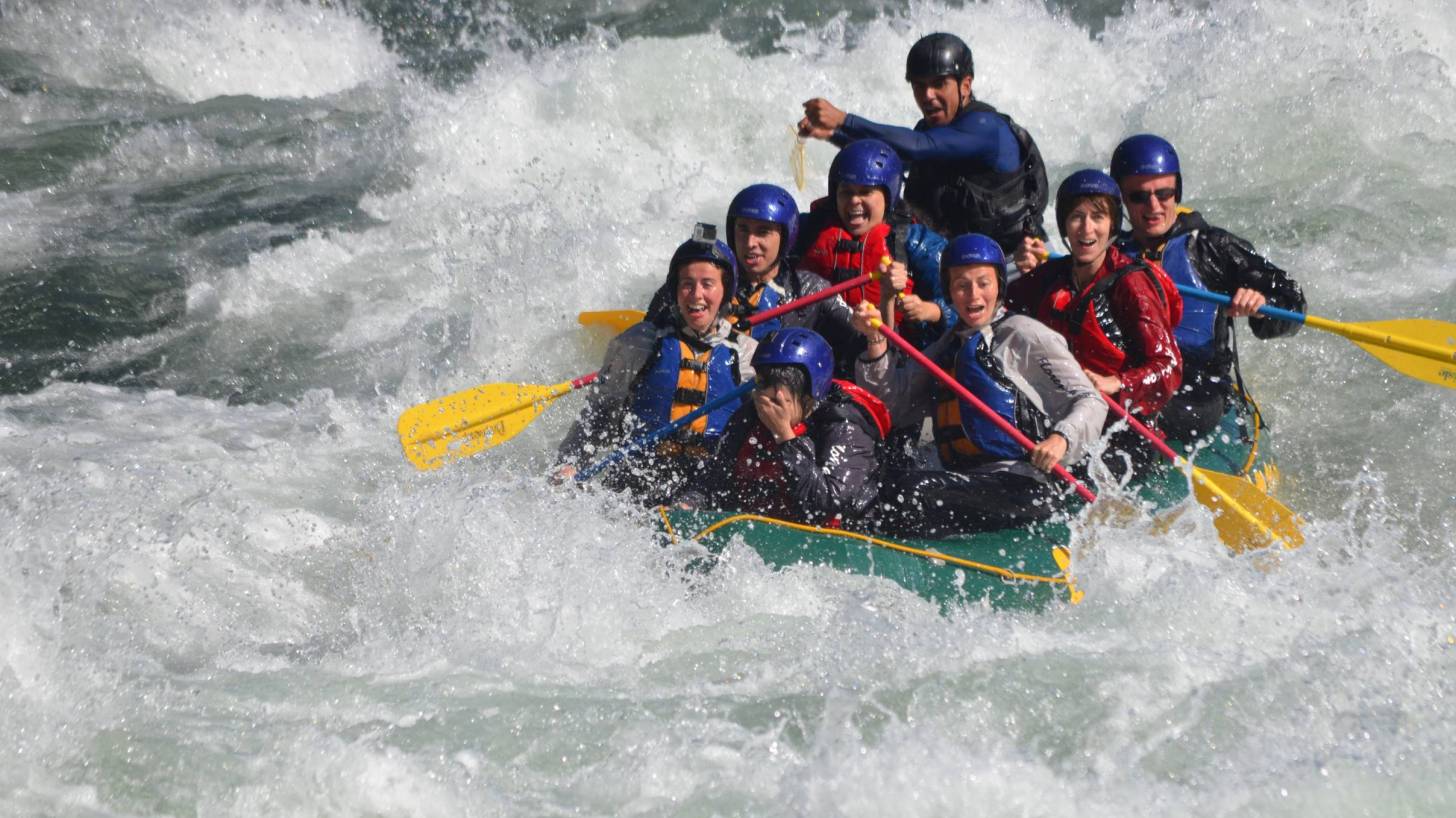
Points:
[(1021, 329), (848, 402), (1018, 324), (642, 331), (743, 342), (1192, 221), (1024, 291), (981, 118), (639, 339), (920, 234)]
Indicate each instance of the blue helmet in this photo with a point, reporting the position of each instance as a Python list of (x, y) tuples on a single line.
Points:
[(769, 203), (1088, 183), (797, 346), (972, 248), (705, 246), (871, 163), (1147, 154)]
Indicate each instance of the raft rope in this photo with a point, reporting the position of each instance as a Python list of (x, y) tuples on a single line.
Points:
[(993, 570)]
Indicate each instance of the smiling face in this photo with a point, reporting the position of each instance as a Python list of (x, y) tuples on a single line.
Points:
[(860, 207), (939, 98), (1151, 203), (1089, 230), (699, 294), (757, 244), (974, 290)]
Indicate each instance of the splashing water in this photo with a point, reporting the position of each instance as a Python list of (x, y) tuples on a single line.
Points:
[(242, 237)]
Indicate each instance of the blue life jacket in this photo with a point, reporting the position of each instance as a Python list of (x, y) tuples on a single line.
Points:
[(1195, 333), (977, 372), (762, 298), (684, 377)]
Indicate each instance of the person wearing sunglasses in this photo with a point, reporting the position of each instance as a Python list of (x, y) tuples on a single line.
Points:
[(972, 168), (1197, 254)]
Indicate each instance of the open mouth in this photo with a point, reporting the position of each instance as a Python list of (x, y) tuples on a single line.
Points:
[(857, 216)]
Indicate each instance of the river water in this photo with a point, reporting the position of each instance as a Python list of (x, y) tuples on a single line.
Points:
[(239, 238)]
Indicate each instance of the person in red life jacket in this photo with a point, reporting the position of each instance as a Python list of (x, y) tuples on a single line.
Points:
[(763, 226), (1116, 312), (972, 168), (1018, 367), (653, 375), (854, 229), (1197, 254), (806, 448)]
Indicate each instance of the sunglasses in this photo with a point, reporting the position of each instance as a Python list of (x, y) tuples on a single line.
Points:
[(1142, 197)]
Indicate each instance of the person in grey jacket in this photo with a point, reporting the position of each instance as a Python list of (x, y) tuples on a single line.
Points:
[(654, 374), (1017, 366)]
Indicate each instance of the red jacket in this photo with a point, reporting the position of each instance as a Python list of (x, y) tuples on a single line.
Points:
[(1127, 332), (838, 256)]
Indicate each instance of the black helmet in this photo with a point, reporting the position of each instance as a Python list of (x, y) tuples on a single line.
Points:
[(938, 55)]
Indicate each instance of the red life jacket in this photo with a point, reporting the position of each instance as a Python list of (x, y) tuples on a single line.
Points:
[(838, 256), (878, 412), (758, 464), (1085, 317)]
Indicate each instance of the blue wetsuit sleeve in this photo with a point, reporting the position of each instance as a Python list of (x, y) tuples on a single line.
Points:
[(923, 247), (979, 136)]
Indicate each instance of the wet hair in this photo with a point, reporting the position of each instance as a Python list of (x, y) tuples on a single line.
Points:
[(1101, 205), (791, 377)]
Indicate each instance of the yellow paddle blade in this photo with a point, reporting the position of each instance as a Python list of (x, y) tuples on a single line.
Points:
[(1245, 517), (616, 320), (1425, 340), (459, 425)]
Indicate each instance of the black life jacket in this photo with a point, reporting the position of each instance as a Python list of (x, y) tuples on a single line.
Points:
[(955, 196)]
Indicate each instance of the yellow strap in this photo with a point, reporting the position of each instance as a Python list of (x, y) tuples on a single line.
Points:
[(994, 570)]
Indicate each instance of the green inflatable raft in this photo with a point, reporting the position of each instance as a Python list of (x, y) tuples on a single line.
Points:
[(1014, 568)]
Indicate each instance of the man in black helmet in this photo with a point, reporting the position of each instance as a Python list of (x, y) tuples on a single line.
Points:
[(972, 169)]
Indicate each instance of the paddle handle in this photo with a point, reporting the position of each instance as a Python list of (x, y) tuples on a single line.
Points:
[(643, 441), (1001, 423), (797, 303), (1353, 332), (1220, 298), (585, 380)]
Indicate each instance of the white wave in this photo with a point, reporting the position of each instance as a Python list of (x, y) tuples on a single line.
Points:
[(230, 609), (200, 50)]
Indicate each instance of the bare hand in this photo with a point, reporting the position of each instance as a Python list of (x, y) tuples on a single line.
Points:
[(918, 309), (864, 314), (1048, 453), (821, 119), (899, 275), (779, 410), (1033, 251), (562, 474), (1246, 302), (1106, 384)]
